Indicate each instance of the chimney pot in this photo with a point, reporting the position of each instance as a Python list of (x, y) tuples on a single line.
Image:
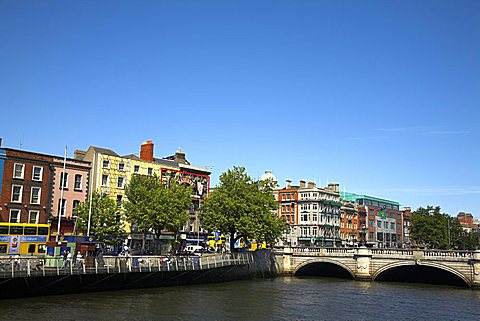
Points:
[(146, 151)]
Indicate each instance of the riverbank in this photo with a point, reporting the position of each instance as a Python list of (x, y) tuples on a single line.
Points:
[(138, 272)]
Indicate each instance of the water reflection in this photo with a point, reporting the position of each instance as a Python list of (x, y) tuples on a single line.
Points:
[(286, 298)]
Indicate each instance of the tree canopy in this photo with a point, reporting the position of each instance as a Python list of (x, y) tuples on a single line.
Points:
[(105, 223), (437, 230), (242, 208), (152, 206)]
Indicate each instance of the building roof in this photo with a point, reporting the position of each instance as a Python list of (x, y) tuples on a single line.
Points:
[(104, 151), (354, 197)]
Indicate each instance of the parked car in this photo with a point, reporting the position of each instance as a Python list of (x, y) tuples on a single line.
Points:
[(193, 248), (203, 250)]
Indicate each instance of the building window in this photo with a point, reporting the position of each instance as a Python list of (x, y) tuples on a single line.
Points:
[(37, 173), (17, 193), (392, 225), (14, 216), (78, 182), (64, 180), (305, 217), (136, 169), (104, 180), (106, 163), (120, 181), (150, 171), (379, 224), (371, 223), (119, 201), (33, 217), (75, 204), (35, 195), (121, 167), (18, 170), (62, 208)]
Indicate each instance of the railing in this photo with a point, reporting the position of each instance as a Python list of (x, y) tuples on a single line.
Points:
[(440, 253), (327, 251), (377, 252), (392, 252), (11, 267)]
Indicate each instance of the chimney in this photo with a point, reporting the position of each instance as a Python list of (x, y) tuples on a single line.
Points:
[(288, 183), (180, 156), (302, 184), (311, 184), (334, 187), (79, 154), (146, 151)]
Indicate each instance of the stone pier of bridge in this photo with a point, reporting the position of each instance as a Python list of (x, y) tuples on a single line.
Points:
[(367, 264)]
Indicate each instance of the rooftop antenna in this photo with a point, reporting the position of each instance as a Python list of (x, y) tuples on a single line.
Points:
[(21, 143)]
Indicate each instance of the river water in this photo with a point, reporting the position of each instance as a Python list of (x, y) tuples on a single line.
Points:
[(285, 298)]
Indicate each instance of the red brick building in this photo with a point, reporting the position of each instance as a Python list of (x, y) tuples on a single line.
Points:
[(25, 191), (465, 219)]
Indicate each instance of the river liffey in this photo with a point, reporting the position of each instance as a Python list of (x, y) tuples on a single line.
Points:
[(285, 298)]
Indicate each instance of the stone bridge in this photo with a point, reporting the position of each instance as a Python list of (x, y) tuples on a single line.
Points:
[(459, 267)]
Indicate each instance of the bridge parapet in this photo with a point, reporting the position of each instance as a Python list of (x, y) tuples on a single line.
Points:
[(324, 251), (367, 263)]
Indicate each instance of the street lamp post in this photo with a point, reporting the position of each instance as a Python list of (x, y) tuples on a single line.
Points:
[(363, 233)]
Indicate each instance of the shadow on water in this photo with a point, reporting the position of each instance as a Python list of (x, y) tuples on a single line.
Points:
[(421, 274), (325, 270), (407, 274)]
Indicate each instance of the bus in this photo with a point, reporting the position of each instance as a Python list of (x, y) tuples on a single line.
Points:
[(23, 238), (216, 241)]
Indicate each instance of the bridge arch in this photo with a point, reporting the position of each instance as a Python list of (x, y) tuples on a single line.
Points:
[(325, 261), (392, 266)]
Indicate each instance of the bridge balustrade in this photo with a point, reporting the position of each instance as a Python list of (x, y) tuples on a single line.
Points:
[(11, 267), (452, 254), (392, 252), (379, 252)]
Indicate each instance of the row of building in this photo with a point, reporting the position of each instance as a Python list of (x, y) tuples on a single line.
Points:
[(325, 216), (40, 188)]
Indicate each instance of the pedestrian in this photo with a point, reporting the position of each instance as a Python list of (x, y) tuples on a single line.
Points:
[(79, 259), (69, 259), (64, 257), (16, 262)]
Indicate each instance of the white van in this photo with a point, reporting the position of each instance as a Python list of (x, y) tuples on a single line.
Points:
[(192, 248)]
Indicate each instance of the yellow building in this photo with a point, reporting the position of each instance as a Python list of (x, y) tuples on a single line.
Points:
[(111, 173)]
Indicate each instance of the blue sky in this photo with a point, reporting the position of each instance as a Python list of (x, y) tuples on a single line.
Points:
[(380, 96)]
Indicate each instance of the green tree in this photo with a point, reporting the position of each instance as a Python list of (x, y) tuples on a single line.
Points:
[(242, 208), (434, 229), (105, 222), (153, 207)]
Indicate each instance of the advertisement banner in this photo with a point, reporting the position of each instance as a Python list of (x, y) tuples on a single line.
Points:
[(14, 245)]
